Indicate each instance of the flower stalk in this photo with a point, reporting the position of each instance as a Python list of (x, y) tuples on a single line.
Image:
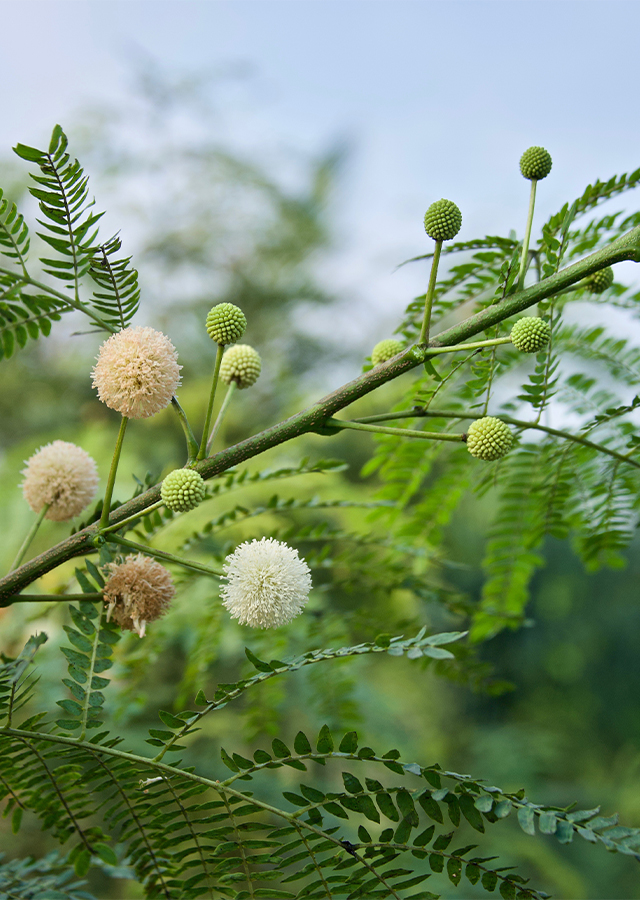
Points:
[(164, 556), (29, 537), (428, 300), (214, 384), (108, 494), (399, 432), (524, 258), (192, 444), (225, 405)]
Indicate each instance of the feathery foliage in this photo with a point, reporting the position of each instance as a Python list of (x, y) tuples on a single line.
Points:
[(322, 817)]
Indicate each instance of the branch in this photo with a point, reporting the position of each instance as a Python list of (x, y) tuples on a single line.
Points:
[(313, 418)]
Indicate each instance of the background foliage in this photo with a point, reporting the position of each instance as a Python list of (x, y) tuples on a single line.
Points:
[(568, 730)]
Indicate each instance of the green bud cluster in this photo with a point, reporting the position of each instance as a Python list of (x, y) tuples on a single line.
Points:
[(530, 334), (240, 364), (442, 220), (225, 323), (599, 281), (384, 350), (489, 438), (535, 163), (182, 490)]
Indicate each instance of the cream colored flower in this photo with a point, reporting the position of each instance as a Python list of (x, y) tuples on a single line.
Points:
[(137, 591), (62, 475), (137, 372), (268, 583)]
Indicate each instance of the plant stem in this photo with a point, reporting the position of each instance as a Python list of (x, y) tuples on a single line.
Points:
[(420, 412), (166, 557), (212, 395), (106, 507), (225, 403), (428, 300), (133, 518), (524, 259), (477, 345), (400, 432), (192, 444), (30, 536), (52, 598)]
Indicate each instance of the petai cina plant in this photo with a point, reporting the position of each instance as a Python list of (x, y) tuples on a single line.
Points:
[(352, 821)]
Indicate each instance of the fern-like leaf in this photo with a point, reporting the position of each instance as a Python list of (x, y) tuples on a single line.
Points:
[(118, 296)]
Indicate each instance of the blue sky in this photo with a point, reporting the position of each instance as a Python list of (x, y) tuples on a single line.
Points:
[(434, 99)]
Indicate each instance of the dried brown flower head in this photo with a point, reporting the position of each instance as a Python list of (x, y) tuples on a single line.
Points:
[(137, 591)]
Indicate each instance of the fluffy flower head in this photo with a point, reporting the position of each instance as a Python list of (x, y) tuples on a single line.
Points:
[(63, 475), (137, 372), (268, 583), (137, 591)]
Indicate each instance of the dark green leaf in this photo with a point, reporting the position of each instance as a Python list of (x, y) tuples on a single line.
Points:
[(454, 871), (470, 812), (430, 806), (170, 720), (349, 743), (106, 854), (508, 890), (301, 744), (325, 740), (489, 881)]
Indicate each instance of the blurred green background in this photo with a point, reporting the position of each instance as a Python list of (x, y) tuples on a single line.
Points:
[(556, 710)]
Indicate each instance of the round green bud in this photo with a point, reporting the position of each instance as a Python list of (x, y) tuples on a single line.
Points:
[(225, 323), (530, 334), (599, 281), (384, 350), (240, 364), (489, 438), (535, 163), (442, 220), (182, 490)]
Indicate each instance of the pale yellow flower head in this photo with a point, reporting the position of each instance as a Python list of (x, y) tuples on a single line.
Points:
[(138, 591), (137, 372), (62, 475)]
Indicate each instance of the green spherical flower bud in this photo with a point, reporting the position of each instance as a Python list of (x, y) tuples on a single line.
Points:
[(385, 350), (489, 438), (442, 220), (530, 334), (599, 281), (182, 490), (225, 323), (535, 163), (240, 364)]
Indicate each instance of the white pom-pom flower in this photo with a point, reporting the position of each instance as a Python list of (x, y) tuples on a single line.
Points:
[(62, 475), (137, 372), (268, 583)]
